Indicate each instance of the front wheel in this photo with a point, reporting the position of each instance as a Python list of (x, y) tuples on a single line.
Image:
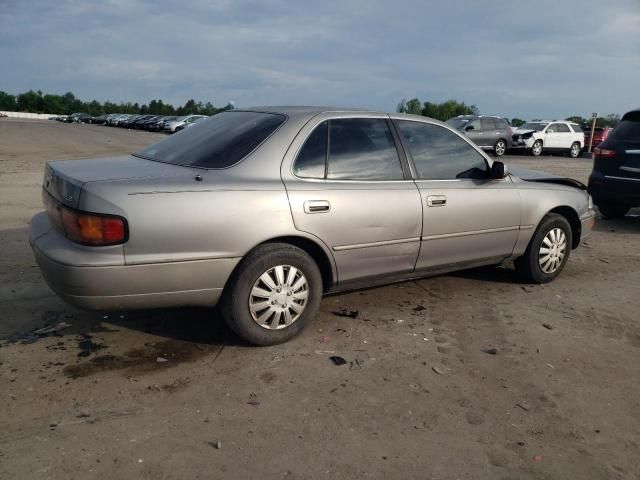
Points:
[(500, 148), (273, 294), (536, 149), (548, 250)]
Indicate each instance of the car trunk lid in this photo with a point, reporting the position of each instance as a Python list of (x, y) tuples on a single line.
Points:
[(63, 180)]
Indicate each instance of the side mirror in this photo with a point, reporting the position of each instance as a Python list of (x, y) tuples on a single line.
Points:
[(499, 170), (469, 128)]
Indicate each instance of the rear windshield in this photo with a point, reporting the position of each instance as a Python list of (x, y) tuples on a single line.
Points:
[(217, 142), (627, 129)]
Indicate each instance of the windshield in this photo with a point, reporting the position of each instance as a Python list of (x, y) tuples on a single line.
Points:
[(216, 142), (533, 126), (458, 123)]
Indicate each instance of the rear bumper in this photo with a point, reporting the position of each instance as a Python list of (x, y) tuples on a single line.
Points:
[(610, 188), (88, 285)]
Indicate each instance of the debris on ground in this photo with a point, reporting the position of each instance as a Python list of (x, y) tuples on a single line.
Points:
[(419, 308), (523, 406), (217, 444), (439, 369), (548, 326), (491, 351), (51, 329), (345, 312), (161, 360), (87, 346), (338, 360)]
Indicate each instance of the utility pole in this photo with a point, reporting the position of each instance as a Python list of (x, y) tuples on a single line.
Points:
[(594, 117)]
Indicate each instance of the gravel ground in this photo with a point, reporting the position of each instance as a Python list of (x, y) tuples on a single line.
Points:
[(173, 394)]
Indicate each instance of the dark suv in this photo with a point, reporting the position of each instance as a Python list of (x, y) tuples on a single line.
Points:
[(488, 132), (614, 183)]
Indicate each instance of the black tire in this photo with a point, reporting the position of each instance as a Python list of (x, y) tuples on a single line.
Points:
[(528, 266), (574, 150), (613, 210), (500, 148), (234, 304), (536, 148)]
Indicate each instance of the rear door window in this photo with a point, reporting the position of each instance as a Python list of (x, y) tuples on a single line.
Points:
[(362, 149), (562, 128), (440, 154), (312, 158), (487, 124)]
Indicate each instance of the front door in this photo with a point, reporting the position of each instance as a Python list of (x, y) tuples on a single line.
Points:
[(348, 187), (468, 217)]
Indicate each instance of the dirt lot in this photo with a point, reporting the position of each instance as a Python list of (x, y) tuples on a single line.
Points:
[(419, 396)]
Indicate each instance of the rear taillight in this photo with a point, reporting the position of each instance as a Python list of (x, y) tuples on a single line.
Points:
[(93, 229), (599, 153)]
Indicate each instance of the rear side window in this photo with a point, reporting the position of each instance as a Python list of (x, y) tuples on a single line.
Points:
[(312, 158), (217, 142), (501, 123), (562, 128), (362, 149), (576, 128), (440, 154)]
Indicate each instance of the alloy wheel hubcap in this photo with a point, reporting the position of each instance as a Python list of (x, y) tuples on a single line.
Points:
[(552, 250), (574, 150), (500, 148), (278, 297), (537, 148)]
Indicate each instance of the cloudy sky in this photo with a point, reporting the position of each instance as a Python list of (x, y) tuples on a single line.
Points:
[(541, 58)]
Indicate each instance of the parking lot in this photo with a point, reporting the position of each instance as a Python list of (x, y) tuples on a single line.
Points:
[(470, 375)]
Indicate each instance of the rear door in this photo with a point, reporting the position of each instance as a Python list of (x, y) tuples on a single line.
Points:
[(468, 217), (349, 186), (552, 139), (565, 136)]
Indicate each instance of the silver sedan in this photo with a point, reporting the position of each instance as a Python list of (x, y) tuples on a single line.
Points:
[(264, 210)]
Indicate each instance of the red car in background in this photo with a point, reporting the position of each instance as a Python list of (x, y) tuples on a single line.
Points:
[(600, 134)]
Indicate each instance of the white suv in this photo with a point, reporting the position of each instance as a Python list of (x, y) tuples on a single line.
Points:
[(550, 136)]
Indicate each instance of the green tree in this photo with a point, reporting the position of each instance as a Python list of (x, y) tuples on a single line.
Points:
[(413, 106), (446, 110), (7, 102), (517, 122)]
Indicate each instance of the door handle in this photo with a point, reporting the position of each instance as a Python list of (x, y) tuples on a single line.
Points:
[(436, 200), (317, 206)]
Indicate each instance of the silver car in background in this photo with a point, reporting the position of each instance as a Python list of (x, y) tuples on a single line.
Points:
[(264, 210), (179, 123)]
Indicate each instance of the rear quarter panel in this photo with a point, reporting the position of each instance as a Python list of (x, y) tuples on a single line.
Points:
[(212, 218)]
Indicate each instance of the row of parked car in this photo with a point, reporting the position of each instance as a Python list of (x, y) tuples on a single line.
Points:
[(154, 123), (545, 136)]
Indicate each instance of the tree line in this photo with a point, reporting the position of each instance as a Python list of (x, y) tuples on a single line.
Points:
[(452, 108), (37, 102)]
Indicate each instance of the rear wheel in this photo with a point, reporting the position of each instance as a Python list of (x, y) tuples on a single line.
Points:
[(536, 149), (574, 151), (500, 148), (613, 210), (272, 295), (548, 250)]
